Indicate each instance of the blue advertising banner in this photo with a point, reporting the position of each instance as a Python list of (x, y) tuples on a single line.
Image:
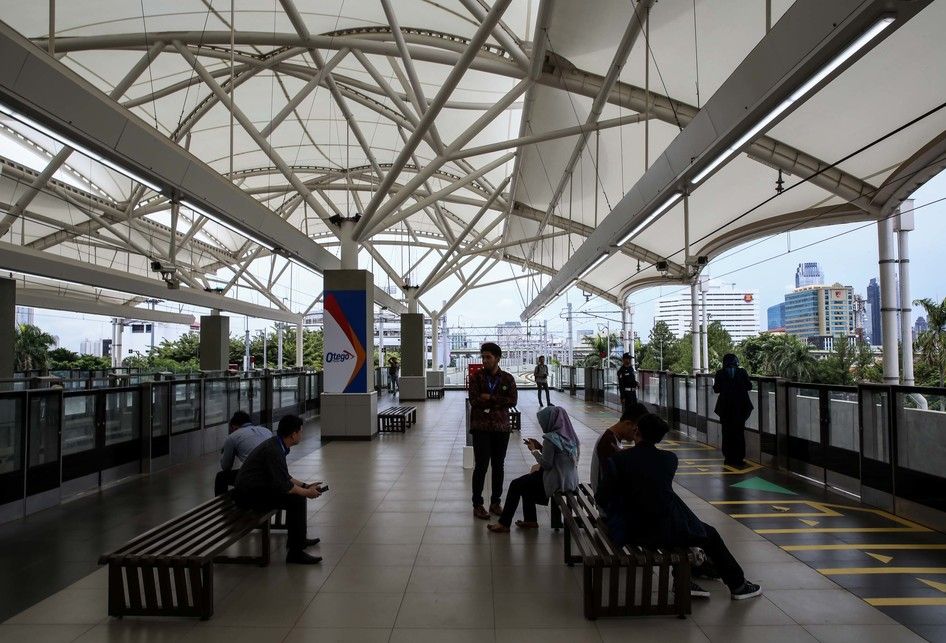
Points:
[(345, 356)]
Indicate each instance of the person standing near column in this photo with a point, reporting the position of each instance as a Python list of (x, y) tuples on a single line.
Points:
[(733, 407), (492, 393), (541, 374), (627, 383), (393, 370)]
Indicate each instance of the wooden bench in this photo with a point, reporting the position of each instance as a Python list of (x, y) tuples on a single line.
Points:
[(396, 419), (630, 581), (168, 571), (435, 394), (515, 419)]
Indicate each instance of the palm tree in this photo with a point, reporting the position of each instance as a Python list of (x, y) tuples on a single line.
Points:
[(31, 348), (792, 360), (600, 344), (932, 342)]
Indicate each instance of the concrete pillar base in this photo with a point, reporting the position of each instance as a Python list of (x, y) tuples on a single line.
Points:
[(413, 388), (434, 379), (349, 416)]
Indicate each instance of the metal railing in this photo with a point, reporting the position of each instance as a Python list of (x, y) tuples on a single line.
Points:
[(58, 439), (885, 445)]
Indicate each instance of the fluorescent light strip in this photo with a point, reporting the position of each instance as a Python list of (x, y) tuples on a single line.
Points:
[(597, 262), (229, 226), (299, 264), (26, 120), (797, 95), (669, 203)]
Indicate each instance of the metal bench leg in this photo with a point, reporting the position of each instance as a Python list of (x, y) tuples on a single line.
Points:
[(265, 546), (206, 591), (588, 589), (116, 590)]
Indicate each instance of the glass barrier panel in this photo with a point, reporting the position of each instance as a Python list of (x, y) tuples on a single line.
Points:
[(122, 417), (44, 430), (843, 429), (78, 428), (185, 406), (160, 393), (11, 434), (921, 432), (215, 402), (288, 391), (753, 421), (805, 414)]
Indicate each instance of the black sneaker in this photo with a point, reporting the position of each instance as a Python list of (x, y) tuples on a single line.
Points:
[(311, 542), (698, 592), (302, 558), (748, 590)]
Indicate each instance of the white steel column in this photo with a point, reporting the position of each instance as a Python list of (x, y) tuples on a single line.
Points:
[(349, 251), (624, 337), (630, 330), (434, 338), (905, 225), (117, 345), (704, 286), (888, 300), (695, 324), (381, 336), (300, 337), (246, 350), (571, 335)]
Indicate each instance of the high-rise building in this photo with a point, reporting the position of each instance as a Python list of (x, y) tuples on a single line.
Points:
[(813, 312), (873, 301), (25, 315), (808, 274), (920, 326), (510, 332), (90, 347), (736, 310), (776, 317)]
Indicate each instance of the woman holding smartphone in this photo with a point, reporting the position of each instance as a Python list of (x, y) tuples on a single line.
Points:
[(556, 469)]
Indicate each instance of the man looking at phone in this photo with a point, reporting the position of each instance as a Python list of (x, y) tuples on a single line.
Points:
[(492, 393), (264, 484)]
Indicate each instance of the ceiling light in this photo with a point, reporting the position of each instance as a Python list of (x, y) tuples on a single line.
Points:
[(229, 226), (796, 96), (39, 127), (72, 283), (669, 203), (597, 262)]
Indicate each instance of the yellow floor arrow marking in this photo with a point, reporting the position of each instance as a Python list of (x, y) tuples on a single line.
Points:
[(701, 469), (780, 508), (880, 557), (810, 523), (848, 547), (848, 571), (935, 585), (798, 514), (842, 530)]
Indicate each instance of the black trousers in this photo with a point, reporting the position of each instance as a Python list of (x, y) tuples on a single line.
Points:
[(530, 490), (296, 527), (489, 451), (715, 548), (224, 480), (545, 386), (734, 440), (627, 399)]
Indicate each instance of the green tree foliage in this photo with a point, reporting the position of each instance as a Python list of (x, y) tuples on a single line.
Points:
[(63, 359), (931, 343), (598, 345), (660, 351), (838, 366), (31, 348), (775, 355)]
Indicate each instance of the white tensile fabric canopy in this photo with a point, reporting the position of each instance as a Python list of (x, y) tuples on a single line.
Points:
[(453, 128)]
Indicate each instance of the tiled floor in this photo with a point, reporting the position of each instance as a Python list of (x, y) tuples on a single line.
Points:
[(405, 561)]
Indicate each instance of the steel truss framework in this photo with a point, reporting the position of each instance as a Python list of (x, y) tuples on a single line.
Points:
[(421, 193)]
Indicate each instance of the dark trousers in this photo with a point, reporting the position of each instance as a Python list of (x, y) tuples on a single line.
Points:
[(224, 480), (627, 399), (715, 548), (530, 490), (544, 385), (296, 527), (489, 451), (734, 440)]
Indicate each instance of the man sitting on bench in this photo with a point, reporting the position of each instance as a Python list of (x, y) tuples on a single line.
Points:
[(641, 508), (264, 484), (244, 437)]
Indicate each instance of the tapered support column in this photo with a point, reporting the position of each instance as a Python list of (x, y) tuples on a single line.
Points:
[(214, 342), (349, 405), (904, 225), (888, 300), (434, 342), (300, 343), (704, 334), (279, 333), (625, 338)]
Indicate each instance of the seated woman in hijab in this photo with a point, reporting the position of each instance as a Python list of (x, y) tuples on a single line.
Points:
[(556, 470)]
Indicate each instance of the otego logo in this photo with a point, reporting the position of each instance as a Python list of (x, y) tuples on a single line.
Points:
[(344, 356)]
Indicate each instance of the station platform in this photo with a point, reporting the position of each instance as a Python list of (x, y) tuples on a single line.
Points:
[(404, 560)]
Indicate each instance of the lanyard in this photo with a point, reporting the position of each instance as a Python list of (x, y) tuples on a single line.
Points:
[(492, 383)]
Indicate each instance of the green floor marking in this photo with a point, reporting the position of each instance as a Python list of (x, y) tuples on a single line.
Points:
[(762, 485)]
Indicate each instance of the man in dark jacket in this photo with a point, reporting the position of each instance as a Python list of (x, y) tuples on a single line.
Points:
[(627, 383), (264, 484), (492, 394), (733, 408), (641, 508)]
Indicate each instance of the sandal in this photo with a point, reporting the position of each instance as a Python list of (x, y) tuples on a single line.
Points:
[(479, 511), (522, 524), (498, 528)]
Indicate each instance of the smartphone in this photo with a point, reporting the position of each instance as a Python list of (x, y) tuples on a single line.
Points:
[(323, 488)]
